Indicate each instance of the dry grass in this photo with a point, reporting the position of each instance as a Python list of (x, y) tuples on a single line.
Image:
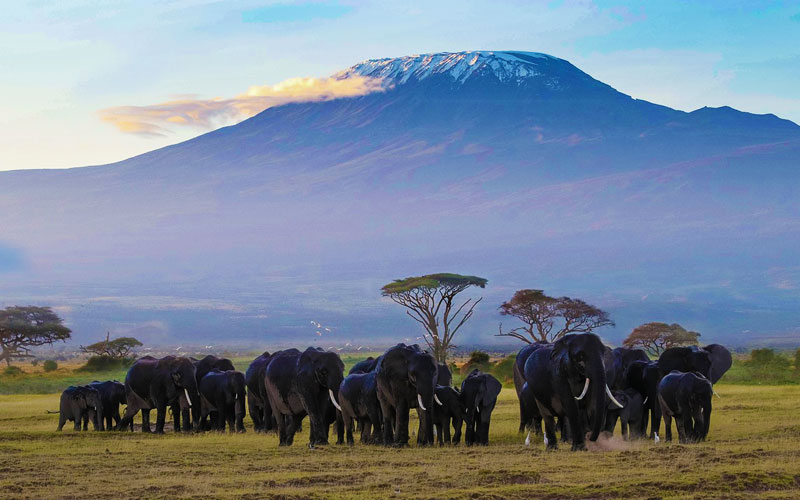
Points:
[(753, 452)]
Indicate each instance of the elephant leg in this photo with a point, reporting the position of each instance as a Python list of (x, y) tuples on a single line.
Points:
[(62, 419), (127, 417), (524, 418), (339, 428), (483, 437), (401, 424), (146, 420), (85, 420), (182, 417), (77, 418), (623, 429), (668, 427), (550, 432), (348, 428), (386, 410), (686, 424), (563, 429), (177, 413), (230, 414), (295, 423), (457, 424), (161, 417), (282, 428), (255, 414)]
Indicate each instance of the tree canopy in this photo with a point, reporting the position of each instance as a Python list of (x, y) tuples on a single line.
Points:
[(547, 319), (119, 348), (24, 327), (655, 338), (430, 301)]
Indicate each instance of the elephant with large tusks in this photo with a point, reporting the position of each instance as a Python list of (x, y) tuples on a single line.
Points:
[(300, 384), (568, 380), (406, 379), (80, 404), (686, 397), (158, 383)]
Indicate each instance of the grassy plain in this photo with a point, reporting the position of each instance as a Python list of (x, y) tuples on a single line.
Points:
[(753, 452)]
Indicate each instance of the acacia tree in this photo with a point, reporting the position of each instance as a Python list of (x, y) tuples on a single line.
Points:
[(119, 348), (547, 319), (430, 300), (655, 338), (22, 328)]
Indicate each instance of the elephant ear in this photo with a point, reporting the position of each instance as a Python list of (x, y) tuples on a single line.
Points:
[(721, 361), (493, 388), (560, 354)]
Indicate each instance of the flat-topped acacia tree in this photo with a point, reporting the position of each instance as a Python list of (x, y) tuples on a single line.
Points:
[(430, 300), (22, 328)]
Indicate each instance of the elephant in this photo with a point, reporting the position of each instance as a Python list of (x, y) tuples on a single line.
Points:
[(406, 378), (300, 384), (721, 361), (364, 366), (80, 404), (223, 393), (630, 416), (112, 394), (529, 417), (685, 359), (443, 375), (202, 367), (686, 397), (479, 393), (158, 383), (358, 397), (560, 376), (644, 376), (449, 408), (623, 357), (257, 400)]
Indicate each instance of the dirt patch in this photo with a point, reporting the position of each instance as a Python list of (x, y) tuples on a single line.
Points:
[(761, 481)]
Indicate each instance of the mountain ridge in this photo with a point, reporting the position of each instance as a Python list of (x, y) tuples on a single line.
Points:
[(304, 210)]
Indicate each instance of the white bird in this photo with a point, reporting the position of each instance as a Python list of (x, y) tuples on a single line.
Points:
[(528, 439), (546, 442), (319, 334), (656, 439), (327, 329), (360, 347), (178, 348)]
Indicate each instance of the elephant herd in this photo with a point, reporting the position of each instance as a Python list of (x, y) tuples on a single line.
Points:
[(575, 385), (582, 387), (282, 388)]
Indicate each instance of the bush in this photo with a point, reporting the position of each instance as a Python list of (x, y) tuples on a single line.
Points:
[(13, 370), (478, 358), (50, 365), (503, 370), (35, 361), (765, 365), (104, 364)]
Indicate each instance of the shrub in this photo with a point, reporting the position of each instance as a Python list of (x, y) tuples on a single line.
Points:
[(766, 365), (13, 370), (50, 365), (479, 360), (503, 370), (103, 364), (35, 361)]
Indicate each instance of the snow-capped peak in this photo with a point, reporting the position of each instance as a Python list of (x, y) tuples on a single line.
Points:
[(506, 66)]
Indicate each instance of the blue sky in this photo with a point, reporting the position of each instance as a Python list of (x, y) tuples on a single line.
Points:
[(64, 62)]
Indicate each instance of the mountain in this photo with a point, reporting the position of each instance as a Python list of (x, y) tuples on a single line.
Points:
[(514, 166)]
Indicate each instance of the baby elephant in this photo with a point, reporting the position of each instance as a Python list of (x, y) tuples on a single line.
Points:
[(686, 397), (358, 396), (479, 393), (630, 415), (223, 393), (79, 404), (448, 408)]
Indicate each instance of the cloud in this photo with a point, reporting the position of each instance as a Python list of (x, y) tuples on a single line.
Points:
[(156, 119), (295, 12)]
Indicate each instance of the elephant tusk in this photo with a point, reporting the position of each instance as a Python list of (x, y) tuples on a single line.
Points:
[(528, 439), (477, 410), (188, 399), (645, 400), (419, 400), (613, 400), (715, 393), (585, 389), (333, 400), (436, 398)]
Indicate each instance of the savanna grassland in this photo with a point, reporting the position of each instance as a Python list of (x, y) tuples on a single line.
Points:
[(753, 451)]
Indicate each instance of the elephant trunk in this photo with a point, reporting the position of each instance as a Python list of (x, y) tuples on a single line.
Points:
[(597, 374), (706, 419)]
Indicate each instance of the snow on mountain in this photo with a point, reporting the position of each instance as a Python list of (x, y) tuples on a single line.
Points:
[(459, 66)]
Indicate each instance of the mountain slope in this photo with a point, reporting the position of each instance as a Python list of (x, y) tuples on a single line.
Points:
[(510, 165)]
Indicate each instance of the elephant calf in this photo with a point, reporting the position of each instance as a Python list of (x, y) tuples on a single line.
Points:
[(686, 397), (630, 415), (358, 397), (479, 393), (112, 394), (222, 393), (448, 408), (79, 404)]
